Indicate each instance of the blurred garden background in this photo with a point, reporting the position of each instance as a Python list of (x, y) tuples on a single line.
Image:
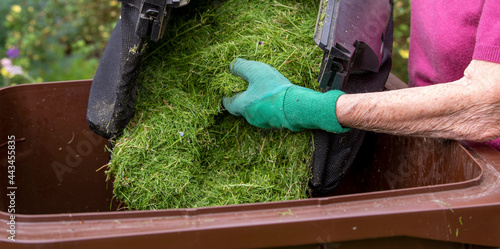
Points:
[(53, 40)]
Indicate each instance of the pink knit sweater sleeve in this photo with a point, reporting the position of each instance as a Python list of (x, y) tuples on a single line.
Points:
[(488, 33), (447, 35)]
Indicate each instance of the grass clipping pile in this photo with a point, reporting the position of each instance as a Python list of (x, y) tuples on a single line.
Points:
[(182, 150)]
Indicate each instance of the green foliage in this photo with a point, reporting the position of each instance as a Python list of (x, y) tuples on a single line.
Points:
[(58, 39), (181, 150), (401, 42), (5, 8)]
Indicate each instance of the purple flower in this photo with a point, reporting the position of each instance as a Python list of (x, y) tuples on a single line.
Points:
[(181, 133), (13, 53), (261, 42)]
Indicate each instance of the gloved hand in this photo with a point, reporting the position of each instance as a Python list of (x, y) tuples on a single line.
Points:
[(271, 101)]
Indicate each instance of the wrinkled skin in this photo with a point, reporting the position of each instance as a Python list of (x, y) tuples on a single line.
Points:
[(466, 109)]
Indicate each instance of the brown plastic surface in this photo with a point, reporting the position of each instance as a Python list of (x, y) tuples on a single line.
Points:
[(56, 153), (404, 192)]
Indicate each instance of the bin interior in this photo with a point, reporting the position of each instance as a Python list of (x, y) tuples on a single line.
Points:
[(410, 165), (56, 153), (58, 158)]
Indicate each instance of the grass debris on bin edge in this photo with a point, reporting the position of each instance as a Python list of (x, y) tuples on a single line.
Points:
[(182, 150)]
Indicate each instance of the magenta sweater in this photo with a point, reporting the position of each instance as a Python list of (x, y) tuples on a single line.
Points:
[(447, 35)]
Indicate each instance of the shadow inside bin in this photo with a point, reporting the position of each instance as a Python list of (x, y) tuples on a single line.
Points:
[(56, 155), (409, 165)]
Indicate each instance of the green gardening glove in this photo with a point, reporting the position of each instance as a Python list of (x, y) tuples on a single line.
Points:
[(271, 101)]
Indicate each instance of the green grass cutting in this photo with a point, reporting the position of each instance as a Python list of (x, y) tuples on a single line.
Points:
[(182, 150)]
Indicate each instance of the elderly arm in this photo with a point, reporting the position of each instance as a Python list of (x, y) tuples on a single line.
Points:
[(466, 109)]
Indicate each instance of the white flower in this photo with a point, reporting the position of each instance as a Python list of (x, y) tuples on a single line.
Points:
[(15, 70)]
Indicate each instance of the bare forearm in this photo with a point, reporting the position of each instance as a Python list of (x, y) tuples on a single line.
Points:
[(465, 109)]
